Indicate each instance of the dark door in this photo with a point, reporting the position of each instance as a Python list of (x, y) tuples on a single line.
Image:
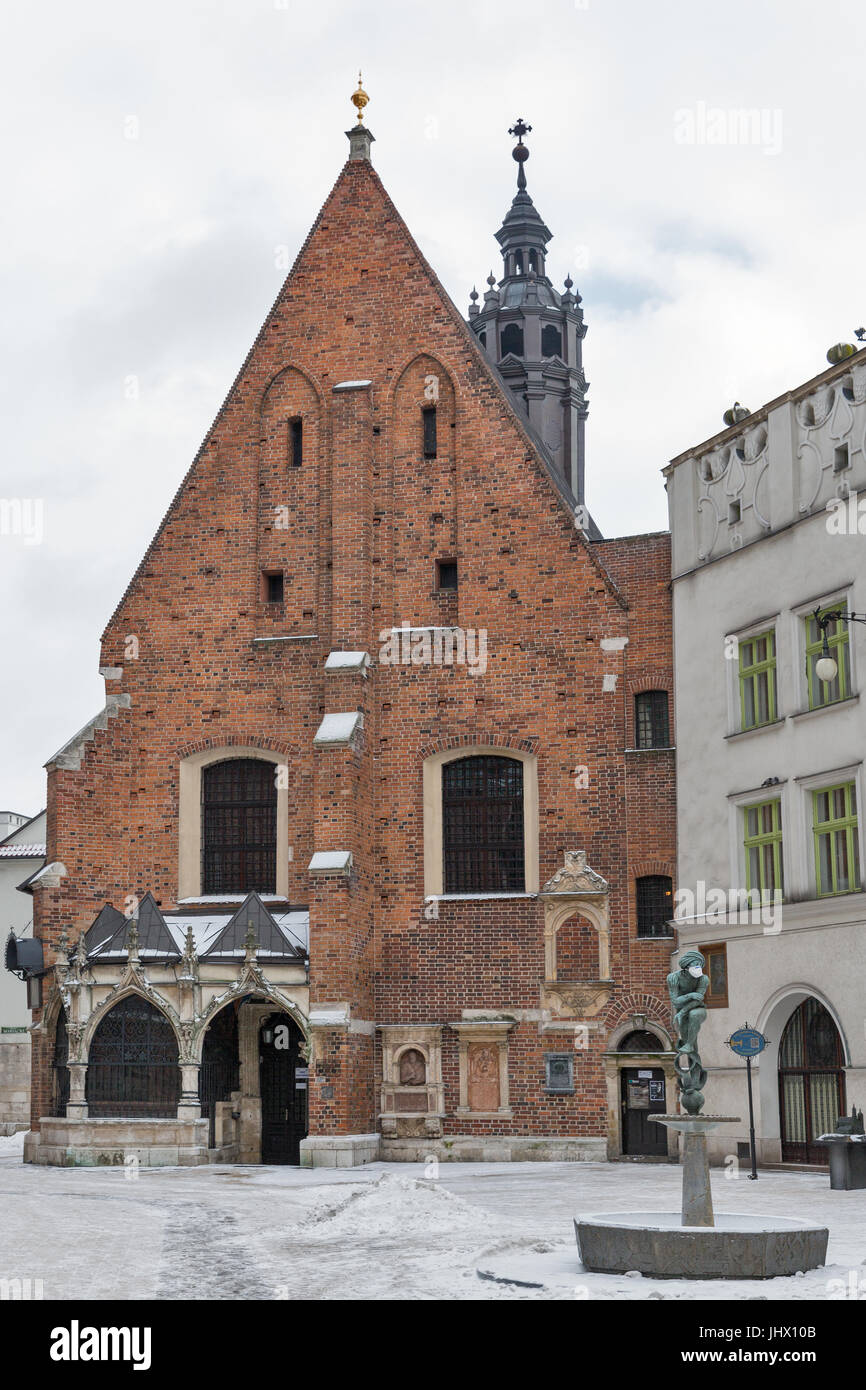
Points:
[(643, 1094), (283, 1074), (811, 1082), (220, 1066)]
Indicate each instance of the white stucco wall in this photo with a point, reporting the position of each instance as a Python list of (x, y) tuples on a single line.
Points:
[(778, 558)]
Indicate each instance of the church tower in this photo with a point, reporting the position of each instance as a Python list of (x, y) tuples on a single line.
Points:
[(533, 334)]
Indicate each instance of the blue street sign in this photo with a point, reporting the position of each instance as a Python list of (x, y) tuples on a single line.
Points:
[(747, 1042)]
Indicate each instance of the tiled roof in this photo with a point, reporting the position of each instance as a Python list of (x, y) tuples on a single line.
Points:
[(22, 851)]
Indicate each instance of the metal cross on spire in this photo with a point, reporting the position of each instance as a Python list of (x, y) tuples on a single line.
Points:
[(520, 152)]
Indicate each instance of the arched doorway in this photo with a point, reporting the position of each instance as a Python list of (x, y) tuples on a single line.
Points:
[(811, 1082), (642, 1093), (219, 1074), (132, 1066), (283, 1078)]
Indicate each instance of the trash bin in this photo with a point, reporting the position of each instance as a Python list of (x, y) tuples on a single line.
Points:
[(847, 1156)]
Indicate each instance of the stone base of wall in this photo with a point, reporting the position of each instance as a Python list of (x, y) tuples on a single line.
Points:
[(112, 1143), (470, 1148), (14, 1082), (339, 1150)]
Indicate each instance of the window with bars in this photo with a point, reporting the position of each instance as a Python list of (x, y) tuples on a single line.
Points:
[(133, 1063), (757, 680), (762, 841), (651, 726), (837, 851), (482, 825), (655, 896), (823, 693), (239, 827)]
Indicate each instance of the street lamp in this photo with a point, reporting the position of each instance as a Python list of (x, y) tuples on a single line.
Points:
[(827, 667)]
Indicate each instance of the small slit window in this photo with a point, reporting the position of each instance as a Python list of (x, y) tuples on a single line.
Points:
[(274, 587), (840, 458), (446, 574), (428, 415), (296, 442)]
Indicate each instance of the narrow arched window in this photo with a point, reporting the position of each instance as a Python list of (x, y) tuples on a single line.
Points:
[(133, 1063), (551, 341), (239, 827), (512, 340), (482, 825)]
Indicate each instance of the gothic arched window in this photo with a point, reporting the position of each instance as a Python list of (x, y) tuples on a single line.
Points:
[(512, 340), (482, 825), (133, 1063), (239, 827)]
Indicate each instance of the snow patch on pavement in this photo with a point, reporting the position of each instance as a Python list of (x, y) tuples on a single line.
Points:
[(395, 1206), (11, 1145)]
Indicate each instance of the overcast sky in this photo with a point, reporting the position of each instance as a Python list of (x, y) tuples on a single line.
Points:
[(162, 159)]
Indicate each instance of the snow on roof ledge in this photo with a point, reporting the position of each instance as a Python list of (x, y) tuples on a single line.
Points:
[(338, 730), (350, 385), (331, 861), (348, 661)]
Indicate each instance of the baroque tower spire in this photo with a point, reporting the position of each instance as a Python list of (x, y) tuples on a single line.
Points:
[(533, 333)]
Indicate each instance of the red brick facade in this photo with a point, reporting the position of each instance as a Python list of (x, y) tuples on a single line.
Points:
[(356, 531)]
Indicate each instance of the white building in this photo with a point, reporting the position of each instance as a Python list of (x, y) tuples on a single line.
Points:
[(22, 853), (767, 526)]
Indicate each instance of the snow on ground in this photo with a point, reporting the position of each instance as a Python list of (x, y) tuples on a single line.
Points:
[(386, 1231), (12, 1145)]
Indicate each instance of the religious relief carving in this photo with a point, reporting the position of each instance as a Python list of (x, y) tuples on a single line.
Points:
[(483, 1058), (483, 1082), (412, 1091), (413, 1068)]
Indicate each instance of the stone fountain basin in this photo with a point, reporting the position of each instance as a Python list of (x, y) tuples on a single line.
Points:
[(736, 1247)]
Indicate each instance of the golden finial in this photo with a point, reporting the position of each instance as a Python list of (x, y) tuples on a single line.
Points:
[(359, 100)]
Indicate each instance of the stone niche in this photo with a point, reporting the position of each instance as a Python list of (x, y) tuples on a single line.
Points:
[(483, 1056), (412, 1093), (576, 903)]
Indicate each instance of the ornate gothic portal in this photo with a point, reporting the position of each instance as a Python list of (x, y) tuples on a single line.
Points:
[(173, 1036)]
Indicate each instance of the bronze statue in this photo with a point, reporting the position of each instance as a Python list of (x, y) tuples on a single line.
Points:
[(687, 986)]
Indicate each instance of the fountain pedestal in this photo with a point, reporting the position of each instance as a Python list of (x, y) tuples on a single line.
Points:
[(693, 1244), (697, 1206)]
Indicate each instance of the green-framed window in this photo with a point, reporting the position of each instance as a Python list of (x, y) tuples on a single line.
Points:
[(757, 679), (762, 840), (823, 693), (837, 852)]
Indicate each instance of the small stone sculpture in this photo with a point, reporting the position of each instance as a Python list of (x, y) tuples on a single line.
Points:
[(687, 986)]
